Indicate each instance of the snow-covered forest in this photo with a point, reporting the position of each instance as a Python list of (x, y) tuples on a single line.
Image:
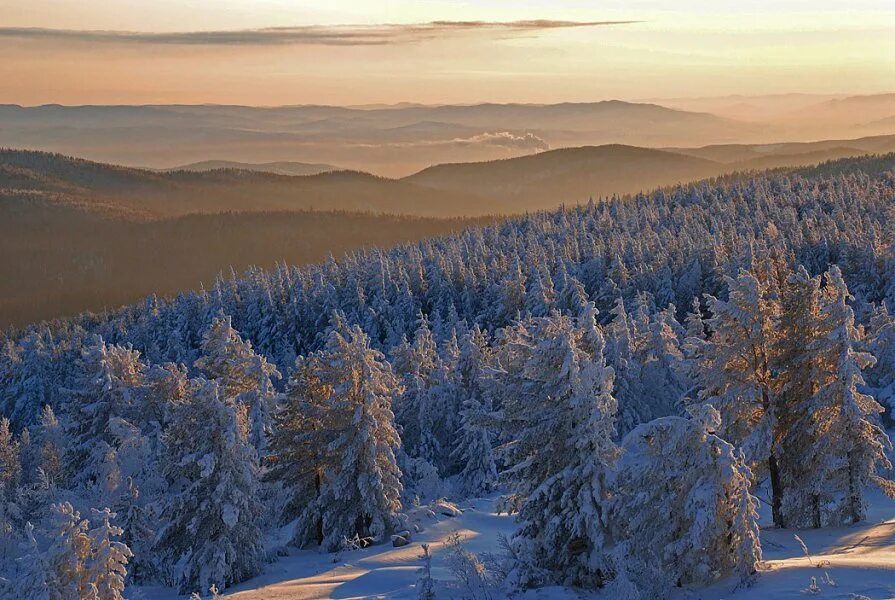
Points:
[(634, 377)]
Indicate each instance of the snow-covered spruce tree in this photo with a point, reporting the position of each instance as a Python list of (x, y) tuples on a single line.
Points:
[(79, 563), (299, 452), (693, 349), (848, 444), (473, 450), (138, 531), (210, 515), (881, 344), (663, 374), (109, 384), (31, 578), (564, 425), (736, 375), (352, 442), (632, 410), (107, 567), (49, 446), (10, 475), (440, 409), (797, 382), (681, 512), (10, 463), (417, 362), (242, 375)]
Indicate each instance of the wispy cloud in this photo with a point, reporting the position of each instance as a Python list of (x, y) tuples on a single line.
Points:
[(325, 35)]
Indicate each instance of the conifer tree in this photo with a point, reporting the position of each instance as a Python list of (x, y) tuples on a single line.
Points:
[(797, 382), (110, 383), (417, 362), (848, 445), (478, 472), (737, 377), (681, 510), (242, 375), (107, 567), (210, 533), (563, 518), (359, 480)]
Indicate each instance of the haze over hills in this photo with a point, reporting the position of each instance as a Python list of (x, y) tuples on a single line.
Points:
[(402, 139), (394, 140)]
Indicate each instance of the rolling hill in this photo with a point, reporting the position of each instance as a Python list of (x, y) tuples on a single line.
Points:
[(570, 175)]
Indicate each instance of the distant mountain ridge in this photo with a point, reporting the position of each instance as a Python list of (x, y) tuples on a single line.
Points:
[(507, 186), (278, 167), (389, 140)]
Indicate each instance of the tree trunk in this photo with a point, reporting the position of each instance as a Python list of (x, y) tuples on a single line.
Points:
[(318, 483), (776, 491), (815, 511)]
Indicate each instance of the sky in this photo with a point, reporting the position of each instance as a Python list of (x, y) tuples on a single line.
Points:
[(351, 52)]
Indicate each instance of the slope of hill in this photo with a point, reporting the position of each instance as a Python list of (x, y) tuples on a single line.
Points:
[(187, 192), (62, 257), (792, 153), (278, 168), (569, 175)]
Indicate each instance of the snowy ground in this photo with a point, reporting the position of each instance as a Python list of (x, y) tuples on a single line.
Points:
[(845, 562)]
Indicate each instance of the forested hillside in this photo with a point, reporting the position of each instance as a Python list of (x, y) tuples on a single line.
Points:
[(81, 235), (631, 374), (64, 258)]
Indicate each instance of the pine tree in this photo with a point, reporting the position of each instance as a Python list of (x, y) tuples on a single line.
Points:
[(32, 575), (110, 382), (210, 533), (242, 375), (478, 472), (632, 410), (440, 408), (681, 511), (416, 362), (562, 536), (299, 455), (10, 474), (881, 344), (737, 376), (68, 557), (849, 445), (352, 388), (137, 531), (662, 366), (107, 567), (50, 444), (10, 465)]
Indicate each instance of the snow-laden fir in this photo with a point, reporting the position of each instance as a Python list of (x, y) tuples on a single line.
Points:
[(632, 375)]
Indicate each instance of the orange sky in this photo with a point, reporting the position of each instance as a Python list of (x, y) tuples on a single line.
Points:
[(697, 49)]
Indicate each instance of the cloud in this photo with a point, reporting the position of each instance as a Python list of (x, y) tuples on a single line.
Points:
[(501, 139), (505, 139), (324, 35)]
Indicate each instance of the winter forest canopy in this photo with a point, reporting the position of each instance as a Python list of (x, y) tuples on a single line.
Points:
[(635, 376)]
